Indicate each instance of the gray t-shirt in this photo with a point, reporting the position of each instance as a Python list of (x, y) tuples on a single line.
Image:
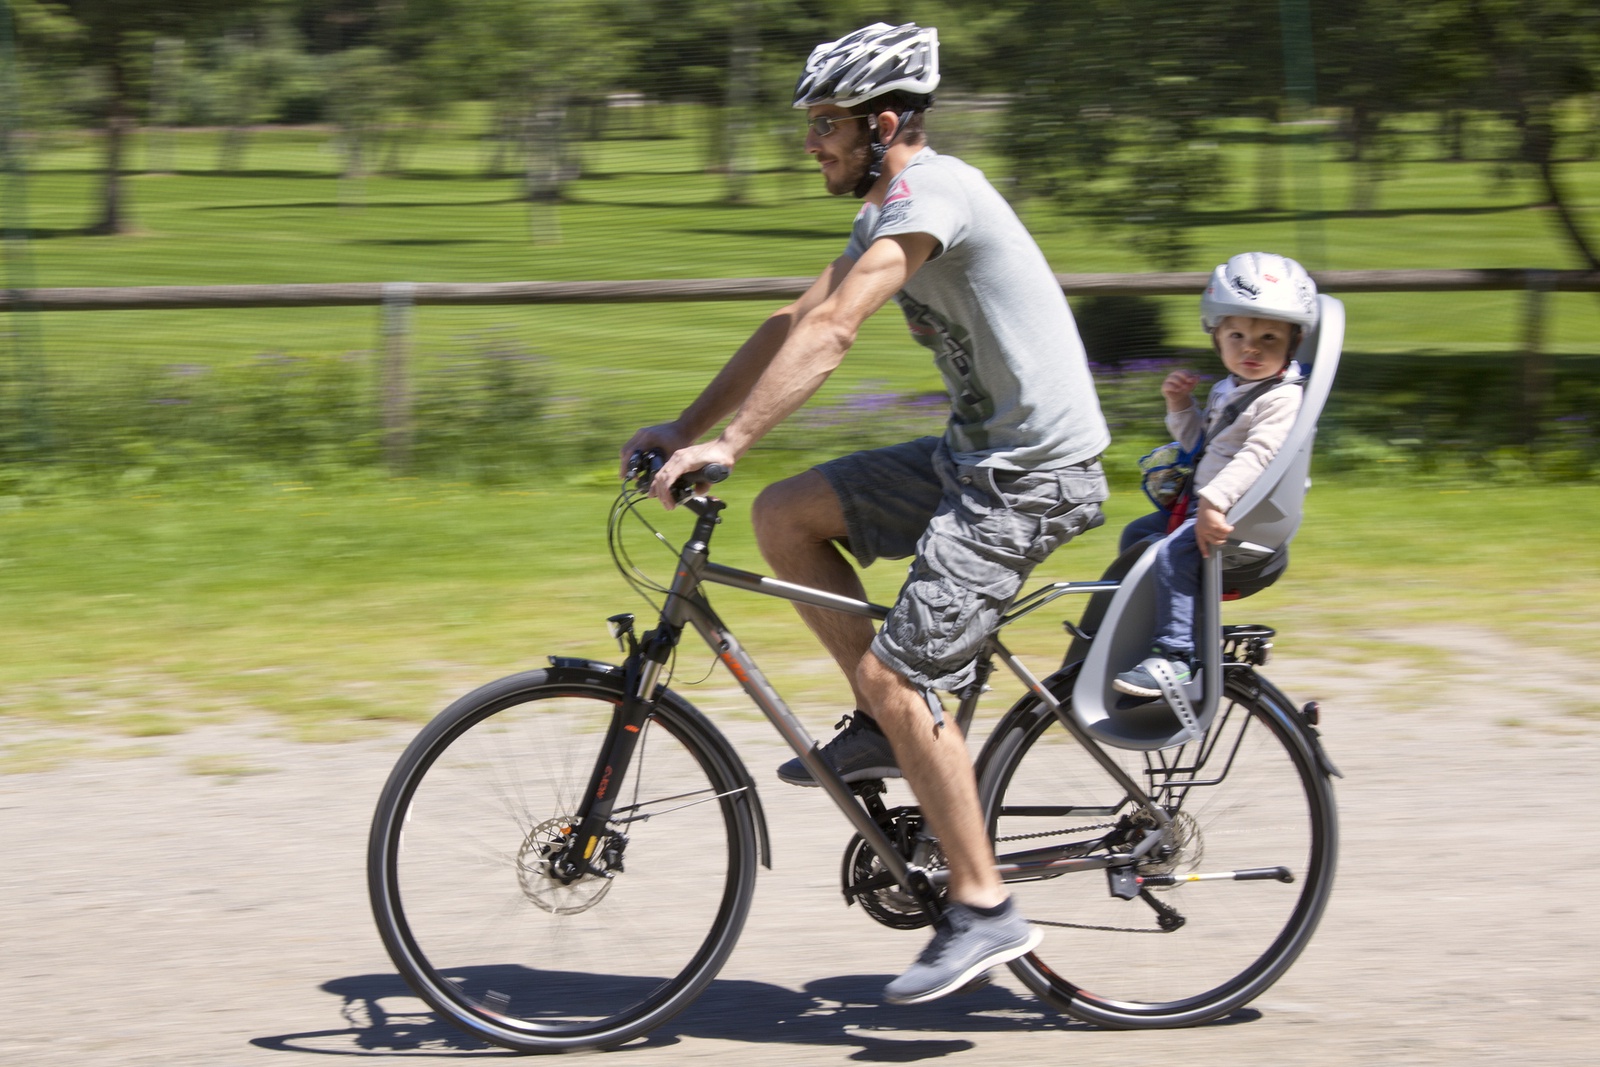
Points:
[(988, 305)]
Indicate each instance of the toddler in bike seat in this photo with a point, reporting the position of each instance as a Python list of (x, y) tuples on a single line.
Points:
[(1257, 307)]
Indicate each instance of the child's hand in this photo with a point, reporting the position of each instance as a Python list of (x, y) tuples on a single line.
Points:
[(1210, 527), (1178, 388)]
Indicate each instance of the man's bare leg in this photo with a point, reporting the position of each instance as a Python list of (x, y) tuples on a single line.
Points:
[(936, 765), (796, 521)]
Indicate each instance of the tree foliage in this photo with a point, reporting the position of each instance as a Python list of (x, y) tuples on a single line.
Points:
[(115, 38), (1116, 109)]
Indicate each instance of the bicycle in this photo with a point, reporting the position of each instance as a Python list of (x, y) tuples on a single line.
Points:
[(563, 859)]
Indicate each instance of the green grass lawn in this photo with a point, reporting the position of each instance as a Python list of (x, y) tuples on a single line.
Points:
[(326, 608)]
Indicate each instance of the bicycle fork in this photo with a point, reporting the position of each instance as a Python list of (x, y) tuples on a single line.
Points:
[(641, 672)]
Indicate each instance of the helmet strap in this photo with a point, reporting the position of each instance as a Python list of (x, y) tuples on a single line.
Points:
[(878, 149)]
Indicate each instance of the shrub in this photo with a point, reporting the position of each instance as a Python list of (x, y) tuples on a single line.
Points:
[(1119, 330)]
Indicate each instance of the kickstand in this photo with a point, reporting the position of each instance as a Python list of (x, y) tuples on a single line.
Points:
[(1167, 917)]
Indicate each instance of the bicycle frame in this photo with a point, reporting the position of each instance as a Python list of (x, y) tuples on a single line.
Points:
[(687, 606)]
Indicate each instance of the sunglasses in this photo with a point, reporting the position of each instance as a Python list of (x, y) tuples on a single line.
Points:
[(823, 125)]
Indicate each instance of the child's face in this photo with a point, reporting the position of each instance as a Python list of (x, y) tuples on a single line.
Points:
[(1253, 349)]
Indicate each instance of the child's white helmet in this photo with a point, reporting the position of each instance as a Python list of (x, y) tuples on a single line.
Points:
[(1260, 285), (870, 62)]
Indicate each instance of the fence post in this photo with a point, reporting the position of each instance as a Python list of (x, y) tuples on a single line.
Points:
[(1535, 362), (24, 388), (394, 378)]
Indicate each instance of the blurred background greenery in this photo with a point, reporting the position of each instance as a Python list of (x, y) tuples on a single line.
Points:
[(194, 512)]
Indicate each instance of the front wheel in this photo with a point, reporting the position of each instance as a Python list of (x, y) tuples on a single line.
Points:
[(1197, 927), (478, 913)]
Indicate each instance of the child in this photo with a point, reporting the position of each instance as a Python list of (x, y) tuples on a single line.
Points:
[(1256, 309)]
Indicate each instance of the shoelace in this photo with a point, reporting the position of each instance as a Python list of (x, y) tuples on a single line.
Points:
[(945, 933)]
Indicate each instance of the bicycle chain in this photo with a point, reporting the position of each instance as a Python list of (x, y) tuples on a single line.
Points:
[(1082, 926), (1063, 830), (1101, 929)]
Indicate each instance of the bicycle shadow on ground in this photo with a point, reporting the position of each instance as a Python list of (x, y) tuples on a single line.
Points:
[(384, 1018)]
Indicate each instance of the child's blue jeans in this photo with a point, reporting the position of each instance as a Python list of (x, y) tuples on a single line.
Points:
[(1177, 573)]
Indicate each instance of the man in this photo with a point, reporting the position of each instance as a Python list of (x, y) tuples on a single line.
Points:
[(1015, 474)]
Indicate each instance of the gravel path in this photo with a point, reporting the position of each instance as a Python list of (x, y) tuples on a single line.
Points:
[(153, 915)]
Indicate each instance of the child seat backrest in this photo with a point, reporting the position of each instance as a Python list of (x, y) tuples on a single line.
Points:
[(1264, 520)]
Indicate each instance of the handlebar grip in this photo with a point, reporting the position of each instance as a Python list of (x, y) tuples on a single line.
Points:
[(644, 465)]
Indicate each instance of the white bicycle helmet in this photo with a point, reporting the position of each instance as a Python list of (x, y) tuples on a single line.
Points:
[(870, 62), (1260, 285)]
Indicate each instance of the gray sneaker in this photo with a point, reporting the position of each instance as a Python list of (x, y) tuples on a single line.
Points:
[(858, 752), (1139, 682), (964, 945)]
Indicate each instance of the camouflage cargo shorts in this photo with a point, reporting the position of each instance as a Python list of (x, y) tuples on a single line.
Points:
[(975, 533)]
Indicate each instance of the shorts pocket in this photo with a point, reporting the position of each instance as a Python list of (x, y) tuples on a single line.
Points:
[(928, 618), (1061, 524)]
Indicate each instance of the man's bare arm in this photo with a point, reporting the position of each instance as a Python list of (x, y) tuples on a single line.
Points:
[(814, 347), (732, 384)]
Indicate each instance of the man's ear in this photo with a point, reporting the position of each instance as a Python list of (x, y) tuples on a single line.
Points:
[(887, 124)]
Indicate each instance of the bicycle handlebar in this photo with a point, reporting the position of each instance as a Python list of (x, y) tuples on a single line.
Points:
[(643, 466)]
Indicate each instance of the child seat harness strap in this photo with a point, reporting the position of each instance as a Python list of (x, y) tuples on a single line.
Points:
[(1225, 418)]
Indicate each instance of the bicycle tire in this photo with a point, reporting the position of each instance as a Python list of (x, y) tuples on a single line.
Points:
[(1268, 805), (487, 937)]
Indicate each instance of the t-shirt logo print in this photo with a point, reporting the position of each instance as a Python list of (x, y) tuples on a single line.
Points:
[(897, 204), (952, 352)]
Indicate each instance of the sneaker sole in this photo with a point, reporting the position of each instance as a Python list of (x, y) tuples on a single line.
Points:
[(1134, 690), (968, 976), (849, 779)]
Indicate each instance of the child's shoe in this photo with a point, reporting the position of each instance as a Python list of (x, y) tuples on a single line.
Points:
[(1139, 682)]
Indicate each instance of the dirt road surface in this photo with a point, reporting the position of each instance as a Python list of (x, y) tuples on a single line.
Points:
[(153, 915)]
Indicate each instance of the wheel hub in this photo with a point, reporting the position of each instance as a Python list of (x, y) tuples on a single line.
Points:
[(537, 860), (1182, 852)]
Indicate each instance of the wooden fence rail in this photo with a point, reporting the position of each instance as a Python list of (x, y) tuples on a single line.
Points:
[(396, 299), (371, 294)]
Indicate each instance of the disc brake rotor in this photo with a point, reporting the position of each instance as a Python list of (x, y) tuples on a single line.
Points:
[(1184, 853), (534, 865)]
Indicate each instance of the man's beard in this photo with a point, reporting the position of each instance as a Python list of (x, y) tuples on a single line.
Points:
[(850, 171)]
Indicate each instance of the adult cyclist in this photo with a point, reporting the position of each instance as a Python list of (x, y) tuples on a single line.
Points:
[(1015, 474)]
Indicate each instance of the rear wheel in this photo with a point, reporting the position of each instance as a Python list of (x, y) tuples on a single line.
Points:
[(468, 895), (1172, 949)]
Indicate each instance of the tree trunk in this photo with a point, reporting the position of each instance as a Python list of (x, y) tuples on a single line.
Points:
[(230, 157), (113, 218), (1269, 172), (739, 144), (1563, 210), (1453, 132)]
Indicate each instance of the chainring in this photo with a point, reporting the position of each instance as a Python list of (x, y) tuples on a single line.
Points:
[(890, 904)]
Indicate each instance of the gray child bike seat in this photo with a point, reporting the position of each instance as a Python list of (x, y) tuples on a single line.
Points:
[(1264, 521)]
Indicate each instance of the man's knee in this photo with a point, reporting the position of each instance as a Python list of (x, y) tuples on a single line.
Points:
[(893, 697), (800, 510)]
